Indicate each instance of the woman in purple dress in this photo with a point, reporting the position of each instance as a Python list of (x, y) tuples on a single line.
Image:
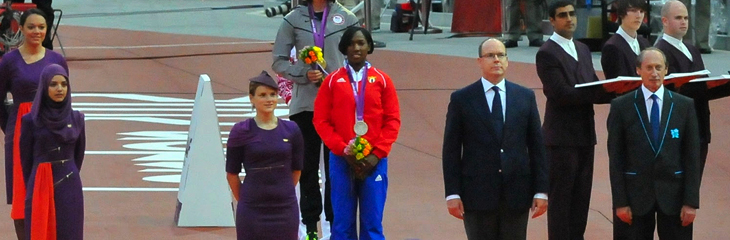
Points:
[(271, 151), (52, 144), (20, 70)]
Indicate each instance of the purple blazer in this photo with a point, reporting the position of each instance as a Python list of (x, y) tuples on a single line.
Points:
[(618, 59), (569, 110)]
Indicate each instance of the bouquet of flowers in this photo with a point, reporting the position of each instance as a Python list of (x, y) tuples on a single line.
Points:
[(355, 153), (313, 56)]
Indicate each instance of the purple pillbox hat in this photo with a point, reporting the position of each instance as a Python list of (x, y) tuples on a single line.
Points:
[(266, 80)]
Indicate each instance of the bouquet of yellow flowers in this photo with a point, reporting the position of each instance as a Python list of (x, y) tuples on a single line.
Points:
[(358, 147), (313, 56), (357, 154)]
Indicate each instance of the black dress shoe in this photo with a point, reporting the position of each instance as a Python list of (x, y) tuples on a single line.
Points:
[(705, 50), (536, 42), (509, 43)]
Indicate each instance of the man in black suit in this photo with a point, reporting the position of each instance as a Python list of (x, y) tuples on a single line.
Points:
[(683, 58), (653, 151), (493, 156), (569, 128), (618, 56)]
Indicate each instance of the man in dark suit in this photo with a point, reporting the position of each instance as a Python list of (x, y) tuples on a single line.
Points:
[(653, 151), (618, 56), (683, 58), (493, 154), (569, 128)]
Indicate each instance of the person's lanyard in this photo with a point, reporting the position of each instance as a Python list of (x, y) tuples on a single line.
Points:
[(319, 35), (359, 92)]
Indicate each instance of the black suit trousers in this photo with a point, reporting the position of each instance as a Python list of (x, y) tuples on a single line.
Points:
[(500, 224), (310, 203), (571, 181), (669, 227)]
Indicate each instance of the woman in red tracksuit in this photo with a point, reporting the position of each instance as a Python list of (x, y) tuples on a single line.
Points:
[(335, 117)]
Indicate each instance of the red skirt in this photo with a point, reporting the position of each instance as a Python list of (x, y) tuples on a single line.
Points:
[(18, 209), (43, 216)]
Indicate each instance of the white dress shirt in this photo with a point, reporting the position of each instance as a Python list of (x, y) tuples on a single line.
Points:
[(567, 44), (647, 99), (632, 41), (678, 44), (489, 94)]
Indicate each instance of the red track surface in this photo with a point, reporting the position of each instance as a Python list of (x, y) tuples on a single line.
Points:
[(415, 208)]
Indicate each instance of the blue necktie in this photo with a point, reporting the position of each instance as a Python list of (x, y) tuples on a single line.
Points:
[(654, 119), (497, 112)]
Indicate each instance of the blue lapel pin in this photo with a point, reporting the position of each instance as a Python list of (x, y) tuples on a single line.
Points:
[(675, 133)]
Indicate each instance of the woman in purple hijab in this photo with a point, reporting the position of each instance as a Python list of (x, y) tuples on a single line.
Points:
[(52, 145), (271, 151), (20, 70)]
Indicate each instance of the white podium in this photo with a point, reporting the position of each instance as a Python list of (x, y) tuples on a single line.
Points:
[(204, 198)]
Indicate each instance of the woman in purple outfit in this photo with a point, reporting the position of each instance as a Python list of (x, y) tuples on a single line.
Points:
[(20, 70), (52, 145), (271, 151)]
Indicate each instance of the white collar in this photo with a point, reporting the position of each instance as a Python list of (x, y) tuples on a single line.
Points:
[(560, 39), (672, 40), (488, 85), (626, 36), (647, 94)]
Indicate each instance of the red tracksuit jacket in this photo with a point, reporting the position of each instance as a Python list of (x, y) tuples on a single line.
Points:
[(334, 111)]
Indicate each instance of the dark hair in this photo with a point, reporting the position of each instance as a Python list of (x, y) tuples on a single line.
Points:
[(624, 5), (252, 86), (346, 39), (640, 58), (29, 12), (555, 5), (307, 2)]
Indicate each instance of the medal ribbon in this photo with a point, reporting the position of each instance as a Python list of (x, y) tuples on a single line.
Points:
[(319, 35), (358, 91)]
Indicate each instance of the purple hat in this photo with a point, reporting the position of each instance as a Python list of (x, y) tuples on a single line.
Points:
[(266, 80)]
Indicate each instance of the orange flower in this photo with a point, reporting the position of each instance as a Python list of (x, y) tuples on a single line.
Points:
[(308, 61), (366, 152), (314, 58), (311, 53)]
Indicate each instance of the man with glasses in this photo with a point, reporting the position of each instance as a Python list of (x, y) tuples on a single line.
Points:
[(494, 163), (569, 128)]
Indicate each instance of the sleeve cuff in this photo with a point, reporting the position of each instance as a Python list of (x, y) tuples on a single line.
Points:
[(541, 196), (452, 196)]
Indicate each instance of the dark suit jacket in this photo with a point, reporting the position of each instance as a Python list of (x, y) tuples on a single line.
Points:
[(568, 111), (618, 59), (479, 166), (643, 174), (677, 62)]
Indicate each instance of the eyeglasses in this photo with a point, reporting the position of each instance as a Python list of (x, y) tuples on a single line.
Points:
[(493, 55)]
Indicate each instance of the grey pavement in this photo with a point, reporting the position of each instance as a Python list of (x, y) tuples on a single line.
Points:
[(197, 17)]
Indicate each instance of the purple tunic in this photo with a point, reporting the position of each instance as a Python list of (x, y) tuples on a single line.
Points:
[(21, 80), (39, 145), (267, 206)]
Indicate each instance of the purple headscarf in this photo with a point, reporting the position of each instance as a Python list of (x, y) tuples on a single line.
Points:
[(57, 117)]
